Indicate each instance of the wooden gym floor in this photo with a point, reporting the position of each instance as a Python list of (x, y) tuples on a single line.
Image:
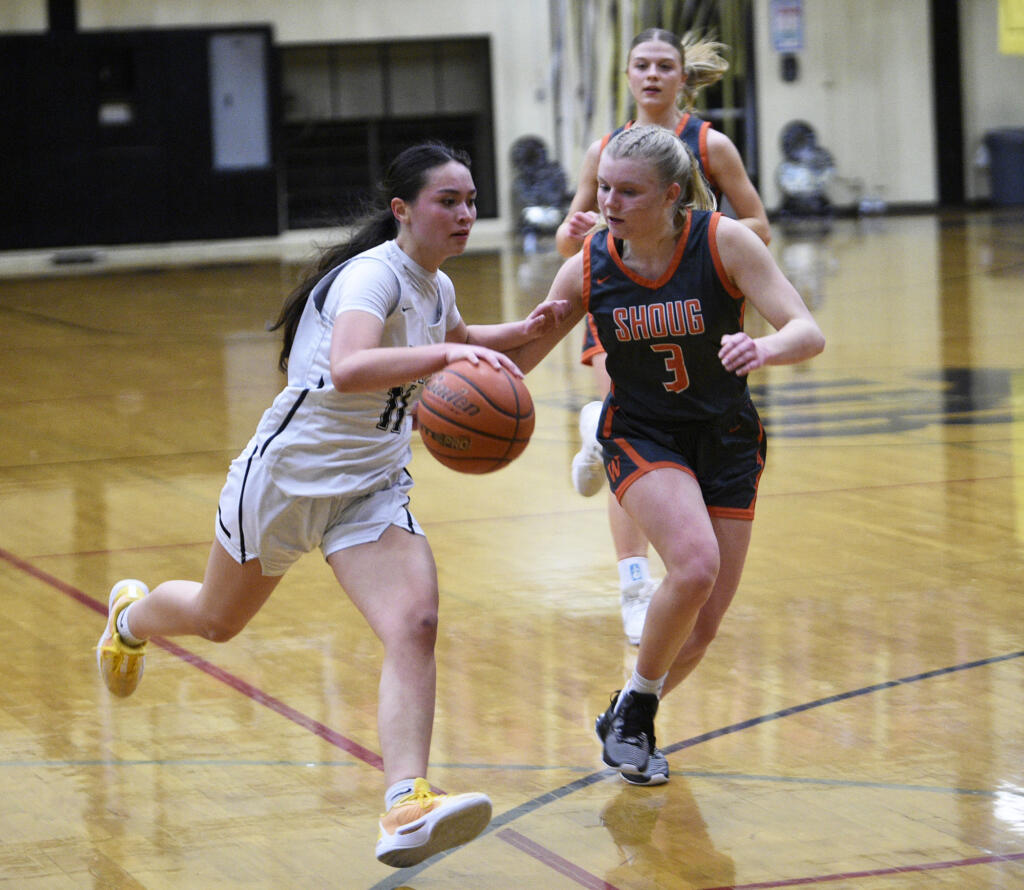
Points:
[(858, 723)]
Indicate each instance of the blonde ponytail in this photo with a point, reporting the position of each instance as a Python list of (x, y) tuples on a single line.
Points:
[(703, 64)]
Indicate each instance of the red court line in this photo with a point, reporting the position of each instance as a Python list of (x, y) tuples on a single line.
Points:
[(553, 860), (874, 872), (229, 679), (585, 879)]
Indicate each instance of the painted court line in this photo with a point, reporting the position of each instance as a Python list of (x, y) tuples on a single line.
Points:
[(515, 838), (247, 689), (874, 873), (548, 857)]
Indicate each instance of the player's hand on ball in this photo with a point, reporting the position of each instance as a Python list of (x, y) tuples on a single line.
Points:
[(476, 354)]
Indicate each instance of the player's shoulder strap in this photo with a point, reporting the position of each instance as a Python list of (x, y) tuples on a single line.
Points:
[(609, 136), (711, 220)]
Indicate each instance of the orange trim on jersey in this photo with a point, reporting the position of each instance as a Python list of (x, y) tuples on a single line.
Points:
[(585, 295), (670, 270), (679, 128), (732, 512), (606, 429), (702, 144), (643, 468), (587, 355), (723, 276), (608, 136)]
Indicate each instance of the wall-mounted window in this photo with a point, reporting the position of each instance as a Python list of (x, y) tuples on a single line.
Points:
[(348, 108)]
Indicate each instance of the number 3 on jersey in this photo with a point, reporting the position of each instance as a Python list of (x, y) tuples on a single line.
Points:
[(675, 365)]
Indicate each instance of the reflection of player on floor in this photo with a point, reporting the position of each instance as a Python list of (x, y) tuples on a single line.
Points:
[(652, 829), (326, 468), (661, 69), (667, 286)]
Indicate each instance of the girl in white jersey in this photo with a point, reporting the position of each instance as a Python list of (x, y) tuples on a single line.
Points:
[(326, 468)]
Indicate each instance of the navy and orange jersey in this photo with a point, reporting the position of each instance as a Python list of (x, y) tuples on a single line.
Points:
[(662, 337), (694, 133)]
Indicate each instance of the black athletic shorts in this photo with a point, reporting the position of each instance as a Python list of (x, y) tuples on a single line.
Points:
[(726, 455)]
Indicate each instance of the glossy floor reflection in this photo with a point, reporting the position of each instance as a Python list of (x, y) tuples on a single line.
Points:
[(856, 724)]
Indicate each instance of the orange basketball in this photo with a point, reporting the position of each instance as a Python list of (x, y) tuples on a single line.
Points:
[(475, 419)]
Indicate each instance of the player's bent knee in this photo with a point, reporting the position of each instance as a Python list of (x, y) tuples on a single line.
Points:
[(218, 629), (411, 629), (422, 628), (695, 577)]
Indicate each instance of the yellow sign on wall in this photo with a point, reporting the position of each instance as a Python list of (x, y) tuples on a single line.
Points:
[(1011, 27)]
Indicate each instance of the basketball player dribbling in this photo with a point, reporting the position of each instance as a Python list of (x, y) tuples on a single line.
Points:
[(326, 468)]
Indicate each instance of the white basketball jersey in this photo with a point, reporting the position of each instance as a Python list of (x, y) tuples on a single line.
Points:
[(320, 442)]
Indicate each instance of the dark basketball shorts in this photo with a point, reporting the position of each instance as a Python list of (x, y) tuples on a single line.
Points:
[(726, 456)]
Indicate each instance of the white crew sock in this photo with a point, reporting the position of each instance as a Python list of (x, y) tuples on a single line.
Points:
[(637, 683), (123, 631), (632, 569), (400, 789)]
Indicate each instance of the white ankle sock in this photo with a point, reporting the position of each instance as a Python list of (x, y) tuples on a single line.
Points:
[(123, 631), (398, 790), (633, 568), (637, 683)]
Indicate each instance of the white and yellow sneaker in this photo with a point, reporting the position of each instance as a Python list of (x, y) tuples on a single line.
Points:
[(121, 665), (423, 823)]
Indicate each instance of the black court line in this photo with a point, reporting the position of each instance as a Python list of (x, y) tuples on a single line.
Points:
[(590, 881), (842, 696)]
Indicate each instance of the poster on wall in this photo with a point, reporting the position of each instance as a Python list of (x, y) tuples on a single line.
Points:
[(787, 25), (1011, 27)]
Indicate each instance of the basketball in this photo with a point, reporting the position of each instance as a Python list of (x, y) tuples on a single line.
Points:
[(475, 419)]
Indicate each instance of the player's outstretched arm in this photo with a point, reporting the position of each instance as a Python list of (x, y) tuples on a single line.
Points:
[(567, 290), (544, 317)]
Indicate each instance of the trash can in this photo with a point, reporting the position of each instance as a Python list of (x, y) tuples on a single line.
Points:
[(1006, 164)]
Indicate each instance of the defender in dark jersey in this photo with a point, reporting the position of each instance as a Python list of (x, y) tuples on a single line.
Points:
[(671, 330), (664, 74), (667, 285)]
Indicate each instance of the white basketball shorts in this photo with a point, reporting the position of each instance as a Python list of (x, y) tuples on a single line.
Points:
[(256, 520)]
